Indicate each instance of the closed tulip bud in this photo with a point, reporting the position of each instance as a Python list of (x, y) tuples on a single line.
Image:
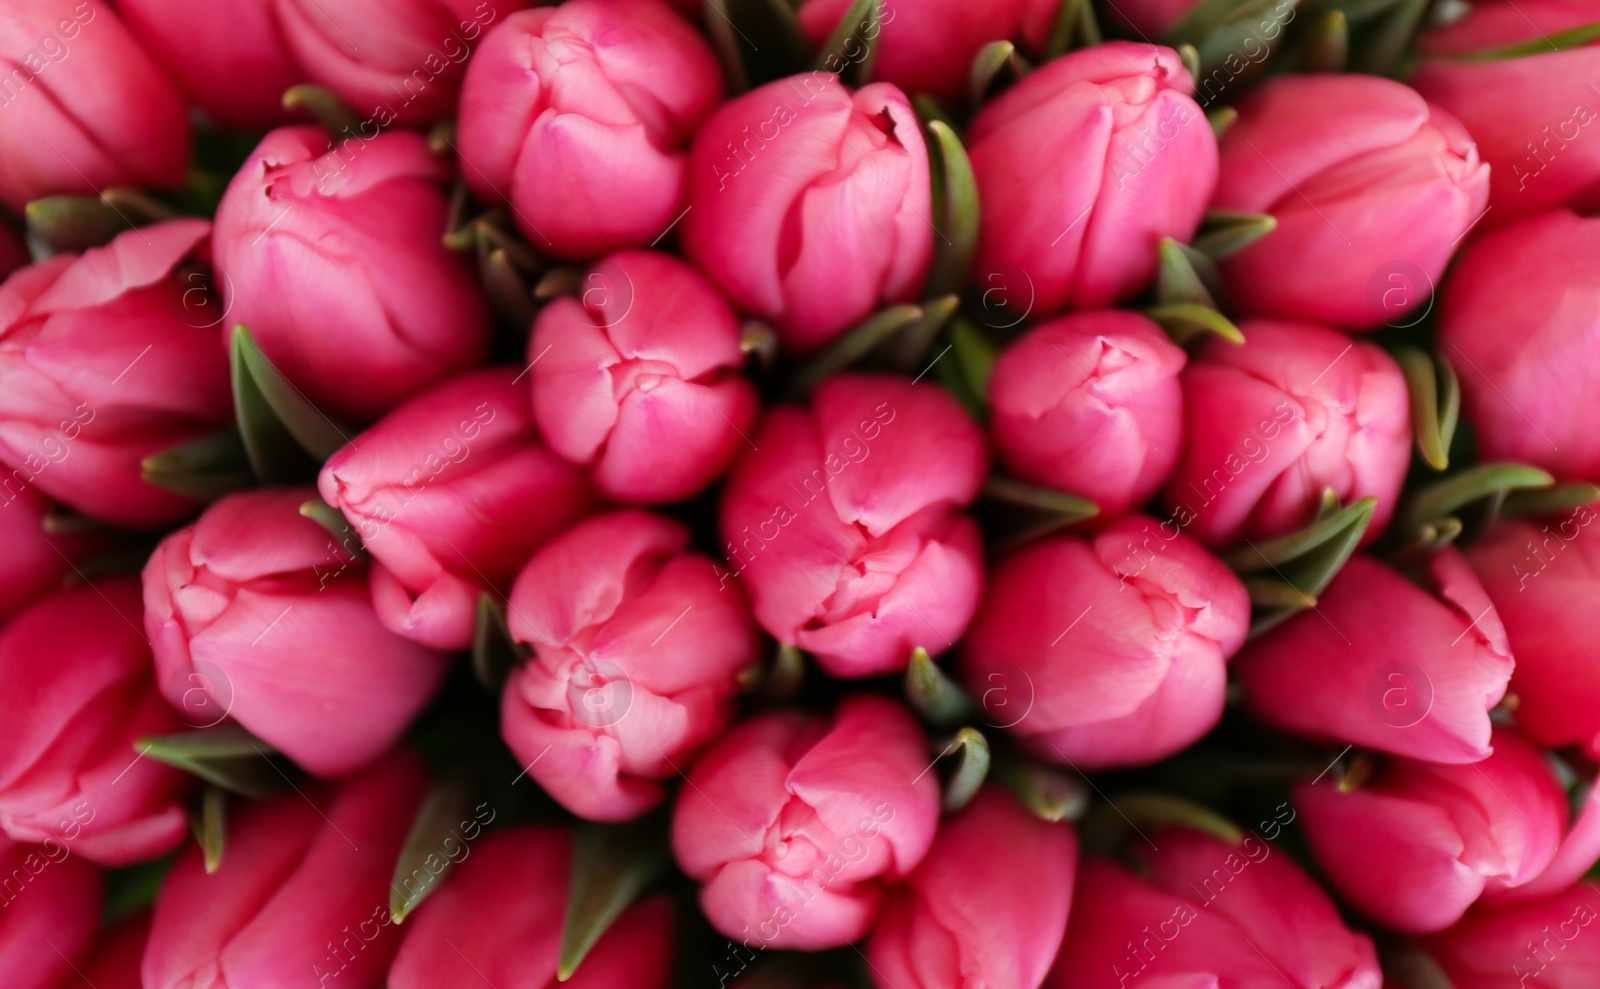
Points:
[(451, 493), (1381, 662), (1090, 404), (845, 522), (82, 106), (1110, 650), (1083, 167), (102, 365), (638, 379), (1372, 188), (35, 561), (525, 872), (553, 121), (301, 898), (334, 260), (987, 907), (1548, 944), (809, 204), (1272, 424), (1205, 912), (793, 822), (47, 898), (255, 612), (114, 961), (1518, 319), (637, 651)]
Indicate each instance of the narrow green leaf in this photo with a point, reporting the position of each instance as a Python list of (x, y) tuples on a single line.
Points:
[(494, 652), (853, 345), (1221, 119), (788, 670), (1284, 550), (1190, 56), (1177, 280), (1314, 569), (908, 349), (955, 212), (72, 224), (208, 825), (931, 691), (204, 468), (836, 53), (1185, 321), (1052, 795), (970, 773), (1549, 501), (974, 356), (271, 396), (1573, 37), (1450, 495), (508, 293), (1267, 591), (326, 109), (725, 40), (1435, 403), (1383, 50), (1015, 492), (611, 866), (1327, 48), (225, 756), (1159, 810), (425, 858), (993, 60), (1228, 231)]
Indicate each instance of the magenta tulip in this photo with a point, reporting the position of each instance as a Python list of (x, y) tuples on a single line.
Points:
[(36, 560), (638, 379), (229, 59), (1090, 404), (451, 493), (1083, 167), (1110, 650), (47, 900), (637, 652), (335, 262), (845, 522), (793, 822), (809, 204), (1549, 944), (1272, 424), (255, 612)]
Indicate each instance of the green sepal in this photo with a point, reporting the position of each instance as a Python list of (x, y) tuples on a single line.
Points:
[(1189, 55), (996, 60), (933, 693), (494, 652), (71, 224), (1288, 574), (1572, 37), (1548, 501), (1383, 49), (1071, 507), (859, 22), (1267, 591), (611, 866), (1225, 232), (327, 110), (1050, 794), (788, 670), (208, 822), (226, 755), (1492, 482), (970, 772), (1327, 44), (443, 808), (1435, 403), (1155, 811), (955, 212), (204, 468), (852, 346), (1075, 27), (1185, 320), (970, 364), (508, 292), (285, 436), (1221, 119), (1178, 277)]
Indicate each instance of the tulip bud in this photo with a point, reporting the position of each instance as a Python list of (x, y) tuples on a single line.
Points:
[(1273, 423), (1083, 167), (846, 523), (1548, 944), (637, 651), (525, 872), (792, 821), (1518, 320), (638, 379), (1204, 912), (1387, 664), (1372, 188), (1090, 404), (302, 895), (451, 493), (987, 907), (335, 262), (47, 899), (578, 117), (1108, 651), (35, 560), (810, 204), (254, 612), (82, 106), (101, 365)]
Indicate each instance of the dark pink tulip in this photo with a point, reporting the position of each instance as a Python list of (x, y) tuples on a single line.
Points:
[(1549, 944), (47, 898), (1083, 167), (638, 379), (845, 522), (82, 107), (255, 612), (578, 116), (637, 651), (1520, 320), (451, 493), (334, 260), (987, 907), (1090, 403), (793, 822), (301, 898), (1204, 912), (809, 204), (229, 59), (1381, 662), (1271, 424), (1110, 650), (102, 363), (524, 872), (114, 961), (1372, 188), (35, 561)]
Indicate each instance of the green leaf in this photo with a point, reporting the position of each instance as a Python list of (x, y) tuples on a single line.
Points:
[(1052, 795), (507, 291), (725, 40), (1549, 501), (974, 356), (225, 756), (1327, 46), (931, 691), (326, 109), (1190, 57), (1221, 119), (1495, 480), (204, 468), (1280, 552), (908, 350), (1159, 810), (1435, 403), (283, 432), (494, 652), (970, 772), (955, 212), (1016, 492), (72, 224), (1308, 560), (1184, 321), (1572, 37), (1178, 280), (1383, 49), (444, 807), (994, 60), (788, 669), (611, 866), (852, 346), (208, 827), (837, 54), (1228, 231), (1269, 592), (1075, 27)]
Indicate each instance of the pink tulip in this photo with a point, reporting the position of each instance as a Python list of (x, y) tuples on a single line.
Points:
[(451, 493), (809, 204), (986, 908), (102, 364), (1372, 188), (1381, 662), (82, 107), (47, 898), (1549, 944), (845, 521), (114, 961), (1083, 167), (1090, 403), (524, 873), (637, 651), (301, 898), (1272, 424), (638, 379), (1518, 319), (229, 59), (792, 822), (1204, 912), (256, 613), (578, 116), (335, 262), (1110, 650), (35, 561)]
